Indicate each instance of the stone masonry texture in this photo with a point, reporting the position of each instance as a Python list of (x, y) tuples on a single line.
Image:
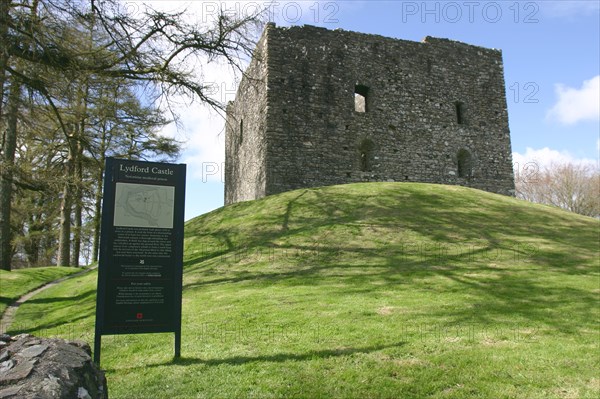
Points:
[(46, 368), (318, 107)]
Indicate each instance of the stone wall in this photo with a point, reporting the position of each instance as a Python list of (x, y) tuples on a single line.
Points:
[(38, 368), (244, 133), (435, 111)]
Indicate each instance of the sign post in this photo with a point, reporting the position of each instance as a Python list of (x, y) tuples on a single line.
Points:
[(140, 267)]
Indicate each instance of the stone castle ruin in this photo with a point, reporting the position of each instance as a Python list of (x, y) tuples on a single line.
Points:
[(318, 107)]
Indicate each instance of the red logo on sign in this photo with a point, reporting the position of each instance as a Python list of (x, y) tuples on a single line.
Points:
[(139, 316)]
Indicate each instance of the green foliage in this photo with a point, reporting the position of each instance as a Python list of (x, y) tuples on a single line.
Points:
[(365, 290), (88, 80)]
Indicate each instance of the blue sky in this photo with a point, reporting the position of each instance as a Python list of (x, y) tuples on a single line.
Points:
[(551, 52)]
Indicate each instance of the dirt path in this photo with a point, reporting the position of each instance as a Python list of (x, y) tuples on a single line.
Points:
[(9, 313)]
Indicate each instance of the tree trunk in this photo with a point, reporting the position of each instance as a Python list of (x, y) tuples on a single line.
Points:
[(7, 163), (77, 204), (64, 238), (32, 245), (97, 213), (98, 195), (4, 17)]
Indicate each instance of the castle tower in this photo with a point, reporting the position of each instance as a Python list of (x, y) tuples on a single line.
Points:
[(318, 107)]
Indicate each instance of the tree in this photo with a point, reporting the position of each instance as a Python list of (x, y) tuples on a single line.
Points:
[(121, 126), (573, 187), (159, 50), (9, 144), (36, 202)]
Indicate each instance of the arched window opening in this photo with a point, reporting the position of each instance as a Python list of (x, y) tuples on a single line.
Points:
[(366, 155), (241, 131), (465, 163)]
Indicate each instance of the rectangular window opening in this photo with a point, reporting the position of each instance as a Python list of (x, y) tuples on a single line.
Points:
[(460, 113), (360, 98)]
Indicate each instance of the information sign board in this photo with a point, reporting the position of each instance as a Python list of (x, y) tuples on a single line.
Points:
[(141, 250)]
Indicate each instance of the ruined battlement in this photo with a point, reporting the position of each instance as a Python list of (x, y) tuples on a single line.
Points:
[(319, 107)]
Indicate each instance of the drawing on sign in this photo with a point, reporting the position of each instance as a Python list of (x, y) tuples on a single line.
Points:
[(144, 205)]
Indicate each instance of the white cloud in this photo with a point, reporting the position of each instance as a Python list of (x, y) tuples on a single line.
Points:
[(575, 105), (203, 128), (539, 159), (199, 126)]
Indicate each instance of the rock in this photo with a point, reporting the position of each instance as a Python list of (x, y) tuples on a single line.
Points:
[(10, 392), (19, 372), (20, 336), (49, 368), (82, 393), (33, 351), (6, 365)]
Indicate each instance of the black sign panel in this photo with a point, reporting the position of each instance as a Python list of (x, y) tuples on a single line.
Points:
[(141, 249)]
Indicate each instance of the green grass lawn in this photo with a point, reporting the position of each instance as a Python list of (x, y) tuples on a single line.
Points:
[(17, 283), (365, 291)]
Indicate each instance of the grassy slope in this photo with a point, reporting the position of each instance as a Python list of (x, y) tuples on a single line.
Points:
[(367, 290), (17, 283)]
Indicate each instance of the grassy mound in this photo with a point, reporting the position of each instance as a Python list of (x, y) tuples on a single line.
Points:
[(365, 290)]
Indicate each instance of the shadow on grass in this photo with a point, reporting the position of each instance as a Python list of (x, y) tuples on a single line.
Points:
[(539, 284), (58, 328), (464, 216), (85, 295), (534, 248), (67, 310), (276, 358)]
